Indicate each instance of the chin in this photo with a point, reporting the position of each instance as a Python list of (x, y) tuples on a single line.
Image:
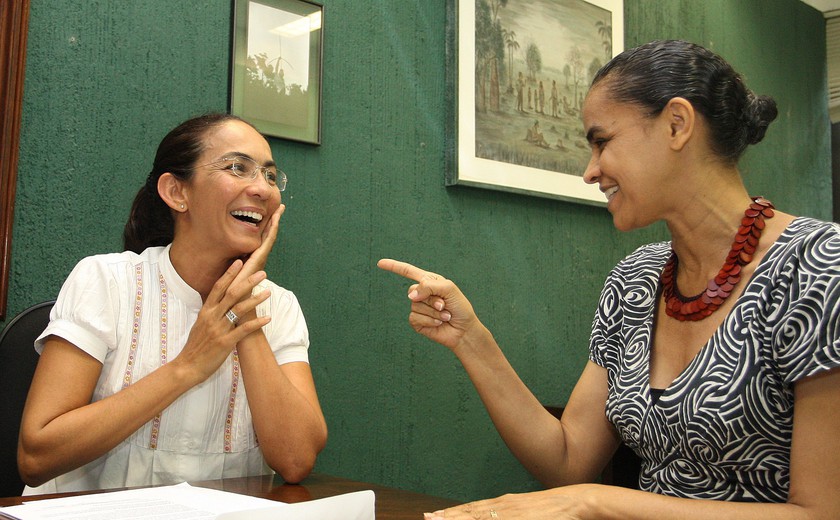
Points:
[(621, 228), (631, 224), (622, 224), (240, 249)]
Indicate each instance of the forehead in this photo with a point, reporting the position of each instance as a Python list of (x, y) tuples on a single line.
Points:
[(602, 111), (236, 136), (597, 102)]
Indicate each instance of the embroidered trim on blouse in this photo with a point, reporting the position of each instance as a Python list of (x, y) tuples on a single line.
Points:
[(163, 319), (234, 384), (135, 328)]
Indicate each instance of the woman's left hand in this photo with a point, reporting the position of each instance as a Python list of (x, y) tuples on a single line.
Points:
[(256, 260), (569, 502)]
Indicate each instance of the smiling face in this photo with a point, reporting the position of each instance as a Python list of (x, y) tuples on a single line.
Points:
[(629, 159), (226, 213)]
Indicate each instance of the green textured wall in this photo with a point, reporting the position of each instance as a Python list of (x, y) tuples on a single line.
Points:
[(106, 79)]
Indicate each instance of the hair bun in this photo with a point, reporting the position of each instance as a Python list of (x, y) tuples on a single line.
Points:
[(759, 113)]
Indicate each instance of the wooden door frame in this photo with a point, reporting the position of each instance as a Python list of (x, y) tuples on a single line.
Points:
[(14, 20)]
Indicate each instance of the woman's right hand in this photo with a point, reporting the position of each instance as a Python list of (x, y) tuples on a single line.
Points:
[(214, 336), (439, 310)]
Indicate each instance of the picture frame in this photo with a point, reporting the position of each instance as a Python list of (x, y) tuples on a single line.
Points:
[(276, 68), (504, 132)]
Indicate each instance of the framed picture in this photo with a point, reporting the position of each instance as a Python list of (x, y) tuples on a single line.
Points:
[(520, 72), (276, 69)]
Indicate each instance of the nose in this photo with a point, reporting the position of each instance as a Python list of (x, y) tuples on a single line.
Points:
[(593, 171), (259, 187)]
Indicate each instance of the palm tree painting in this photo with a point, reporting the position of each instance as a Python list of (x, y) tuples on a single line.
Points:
[(534, 60), (277, 85)]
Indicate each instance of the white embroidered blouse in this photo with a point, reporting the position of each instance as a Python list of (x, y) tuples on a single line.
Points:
[(133, 313)]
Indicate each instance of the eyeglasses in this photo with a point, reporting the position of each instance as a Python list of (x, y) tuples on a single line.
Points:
[(247, 168)]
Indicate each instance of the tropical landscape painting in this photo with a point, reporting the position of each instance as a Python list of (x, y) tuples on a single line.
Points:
[(276, 82), (534, 60)]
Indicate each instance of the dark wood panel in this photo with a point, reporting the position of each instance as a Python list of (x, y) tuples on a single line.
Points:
[(14, 19)]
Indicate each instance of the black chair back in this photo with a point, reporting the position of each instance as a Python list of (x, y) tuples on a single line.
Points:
[(17, 365)]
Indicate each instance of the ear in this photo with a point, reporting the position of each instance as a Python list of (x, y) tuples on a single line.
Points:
[(172, 191), (681, 119)]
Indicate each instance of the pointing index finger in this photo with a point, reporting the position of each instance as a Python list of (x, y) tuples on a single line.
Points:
[(403, 269)]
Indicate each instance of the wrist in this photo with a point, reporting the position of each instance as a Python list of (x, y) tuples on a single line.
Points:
[(182, 374), (251, 340), (476, 340), (591, 496)]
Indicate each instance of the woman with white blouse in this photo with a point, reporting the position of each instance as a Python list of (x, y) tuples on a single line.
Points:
[(178, 359)]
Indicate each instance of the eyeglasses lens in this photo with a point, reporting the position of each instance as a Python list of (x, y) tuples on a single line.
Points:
[(246, 168)]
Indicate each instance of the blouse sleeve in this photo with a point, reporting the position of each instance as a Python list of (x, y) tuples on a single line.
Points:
[(600, 328), (626, 303), (806, 333), (86, 310), (287, 332), (606, 325)]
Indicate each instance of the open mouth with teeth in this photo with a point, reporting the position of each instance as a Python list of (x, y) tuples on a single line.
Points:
[(249, 217)]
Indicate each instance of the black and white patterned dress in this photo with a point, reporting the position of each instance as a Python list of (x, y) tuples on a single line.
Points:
[(722, 429)]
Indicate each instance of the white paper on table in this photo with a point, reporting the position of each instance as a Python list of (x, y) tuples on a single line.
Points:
[(359, 505), (178, 502)]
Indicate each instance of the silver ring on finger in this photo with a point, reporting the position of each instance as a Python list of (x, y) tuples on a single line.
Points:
[(232, 317)]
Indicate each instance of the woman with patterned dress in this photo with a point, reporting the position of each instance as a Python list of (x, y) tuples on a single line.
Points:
[(714, 355), (178, 359)]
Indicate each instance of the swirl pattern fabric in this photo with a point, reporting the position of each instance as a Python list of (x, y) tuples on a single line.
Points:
[(722, 430)]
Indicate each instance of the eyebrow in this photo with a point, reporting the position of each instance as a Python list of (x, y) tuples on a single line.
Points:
[(246, 156), (590, 135)]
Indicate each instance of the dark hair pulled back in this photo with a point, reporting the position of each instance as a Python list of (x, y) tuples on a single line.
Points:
[(150, 221), (654, 73)]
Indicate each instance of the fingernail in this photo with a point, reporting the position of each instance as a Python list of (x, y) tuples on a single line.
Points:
[(445, 316), (439, 306), (438, 322), (412, 294)]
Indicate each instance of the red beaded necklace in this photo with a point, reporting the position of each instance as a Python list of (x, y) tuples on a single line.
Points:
[(721, 286)]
